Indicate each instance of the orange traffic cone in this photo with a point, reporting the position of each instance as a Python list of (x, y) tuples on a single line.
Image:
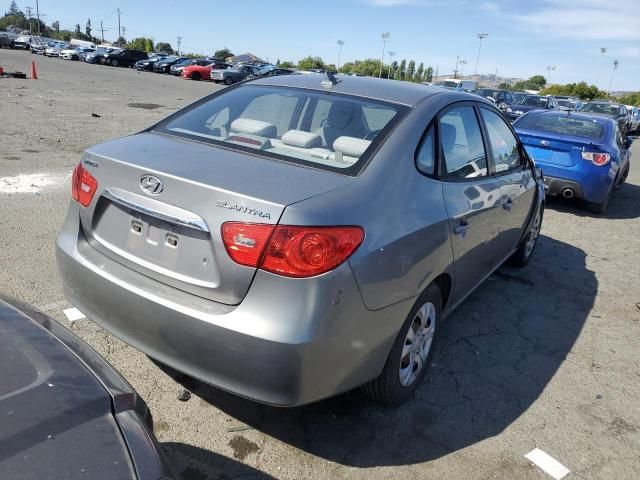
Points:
[(34, 75)]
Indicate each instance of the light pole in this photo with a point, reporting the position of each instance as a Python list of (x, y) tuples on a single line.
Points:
[(462, 64), (481, 36), (455, 70), (550, 68), (615, 67), (391, 55), (384, 36), (340, 44), (603, 52)]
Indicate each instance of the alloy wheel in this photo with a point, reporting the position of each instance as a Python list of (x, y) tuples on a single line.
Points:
[(533, 233), (417, 344)]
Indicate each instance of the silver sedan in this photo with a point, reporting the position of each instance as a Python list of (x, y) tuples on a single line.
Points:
[(291, 238)]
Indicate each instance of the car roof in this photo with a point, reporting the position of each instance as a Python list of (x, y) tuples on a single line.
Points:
[(393, 91)]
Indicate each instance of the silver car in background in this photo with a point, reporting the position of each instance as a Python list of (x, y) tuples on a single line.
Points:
[(291, 238)]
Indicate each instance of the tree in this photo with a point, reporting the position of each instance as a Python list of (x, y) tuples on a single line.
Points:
[(401, 70), (630, 99), (330, 67), (580, 90), (392, 69), (347, 67), (411, 70), (278, 63), (87, 29), (419, 73), (120, 42), (13, 8), (428, 74), (164, 47), (287, 64), (223, 53), (141, 43), (56, 26), (77, 31), (308, 63)]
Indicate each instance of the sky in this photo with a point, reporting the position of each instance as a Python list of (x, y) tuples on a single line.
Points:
[(523, 37)]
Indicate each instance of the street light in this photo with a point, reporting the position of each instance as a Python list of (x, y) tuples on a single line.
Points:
[(603, 52), (462, 64), (550, 68), (481, 36), (391, 55), (384, 36), (615, 67), (340, 44)]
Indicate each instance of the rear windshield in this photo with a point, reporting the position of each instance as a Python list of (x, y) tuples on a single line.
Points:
[(320, 129), (534, 101), (566, 125), (601, 108)]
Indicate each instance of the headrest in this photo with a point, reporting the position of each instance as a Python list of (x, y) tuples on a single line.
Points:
[(351, 146), (340, 114), (299, 138), (254, 127)]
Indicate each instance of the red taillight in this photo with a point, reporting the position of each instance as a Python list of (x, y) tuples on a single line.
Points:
[(83, 186), (245, 242), (288, 250), (598, 159)]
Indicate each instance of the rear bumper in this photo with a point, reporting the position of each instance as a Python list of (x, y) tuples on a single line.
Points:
[(290, 342), (589, 182)]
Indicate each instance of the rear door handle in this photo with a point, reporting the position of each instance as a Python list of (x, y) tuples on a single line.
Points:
[(508, 205), (461, 228)]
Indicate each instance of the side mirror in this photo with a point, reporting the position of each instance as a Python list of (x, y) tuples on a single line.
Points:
[(628, 141)]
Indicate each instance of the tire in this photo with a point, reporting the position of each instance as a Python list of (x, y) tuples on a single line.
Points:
[(402, 374), (195, 76), (623, 177), (228, 81), (114, 63), (523, 254)]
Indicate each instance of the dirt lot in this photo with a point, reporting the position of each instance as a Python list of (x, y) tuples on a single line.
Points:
[(542, 357)]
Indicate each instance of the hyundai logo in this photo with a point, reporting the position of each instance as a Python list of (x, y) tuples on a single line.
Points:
[(151, 185)]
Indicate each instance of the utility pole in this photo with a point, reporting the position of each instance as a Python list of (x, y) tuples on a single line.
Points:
[(391, 55), (481, 36), (119, 31), (38, 15), (124, 29), (615, 67), (340, 44), (384, 36), (179, 39), (102, 31), (603, 52), (550, 68), (462, 64), (455, 71), (28, 9)]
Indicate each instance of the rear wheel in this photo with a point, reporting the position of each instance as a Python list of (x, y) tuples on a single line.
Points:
[(528, 244), (228, 81), (196, 76), (114, 63), (623, 177), (411, 353)]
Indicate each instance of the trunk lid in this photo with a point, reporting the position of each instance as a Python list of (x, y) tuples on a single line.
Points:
[(172, 233), (560, 150)]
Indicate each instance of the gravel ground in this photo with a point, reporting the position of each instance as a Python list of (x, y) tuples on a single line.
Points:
[(544, 357)]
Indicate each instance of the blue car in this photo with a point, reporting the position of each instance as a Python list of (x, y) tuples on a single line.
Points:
[(581, 155)]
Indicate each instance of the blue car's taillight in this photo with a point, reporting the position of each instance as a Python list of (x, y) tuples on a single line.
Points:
[(597, 158)]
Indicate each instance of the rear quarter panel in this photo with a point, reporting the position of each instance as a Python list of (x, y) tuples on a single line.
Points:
[(406, 241)]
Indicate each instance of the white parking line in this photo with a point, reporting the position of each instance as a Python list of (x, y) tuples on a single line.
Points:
[(547, 463), (73, 314)]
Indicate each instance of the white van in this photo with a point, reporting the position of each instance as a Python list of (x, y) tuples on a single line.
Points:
[(457, 84), (82, 43)]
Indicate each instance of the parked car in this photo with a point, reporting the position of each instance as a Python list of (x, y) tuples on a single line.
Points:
[(99, 55), (199, 72), (24, 42), (271, 70), (124, 58), (634, 125), (582, 155), (6, 41), (607, 109), (75, 53), (38, 48), (267, 261), (235, 74), (518, 96), (568, 104), (457, 84), (66, 413), (146, 64), (53, 49), (178, 67), (166, 63), (531, 102), (496, 95)]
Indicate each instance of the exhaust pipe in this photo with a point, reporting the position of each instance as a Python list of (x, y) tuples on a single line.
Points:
[(568, 193)]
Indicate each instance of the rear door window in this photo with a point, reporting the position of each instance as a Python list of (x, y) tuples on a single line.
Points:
[(504, 146), (462, 144)]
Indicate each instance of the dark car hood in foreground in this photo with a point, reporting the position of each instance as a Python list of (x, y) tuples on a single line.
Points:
[(57, 420)]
